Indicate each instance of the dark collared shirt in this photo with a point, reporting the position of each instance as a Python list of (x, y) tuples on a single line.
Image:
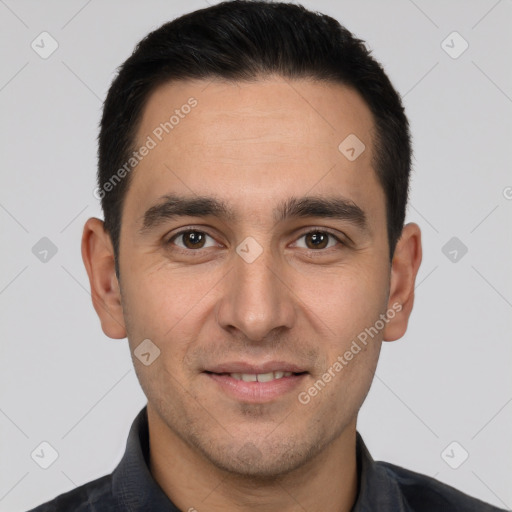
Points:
[(383, 487)]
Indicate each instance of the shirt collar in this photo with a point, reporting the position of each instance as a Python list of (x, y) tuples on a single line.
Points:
[(135, 489), (377, 489), (133, 486)]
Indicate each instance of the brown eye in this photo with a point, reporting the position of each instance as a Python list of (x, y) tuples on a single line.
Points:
[(192, 240), (316, 240)]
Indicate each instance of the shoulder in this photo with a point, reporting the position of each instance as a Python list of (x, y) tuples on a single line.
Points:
[(423, 493), (94, 496)]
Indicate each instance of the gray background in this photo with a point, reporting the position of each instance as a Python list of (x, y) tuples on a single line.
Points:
[(64, 382)]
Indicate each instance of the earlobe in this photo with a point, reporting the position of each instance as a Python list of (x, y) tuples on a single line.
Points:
[(98, 257), (404, 268)]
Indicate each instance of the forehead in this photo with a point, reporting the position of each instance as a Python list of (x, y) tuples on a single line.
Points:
[(254, 140)]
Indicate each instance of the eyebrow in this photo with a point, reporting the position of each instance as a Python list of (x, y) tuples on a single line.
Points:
[(172, 206), (328, 207)]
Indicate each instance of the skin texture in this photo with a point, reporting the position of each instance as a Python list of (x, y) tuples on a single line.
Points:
[(254, 146)]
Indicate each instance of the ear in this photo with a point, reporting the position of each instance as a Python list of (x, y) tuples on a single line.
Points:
[(404, 268), (98, 256)]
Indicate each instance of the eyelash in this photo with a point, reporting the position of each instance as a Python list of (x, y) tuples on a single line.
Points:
[(171, 240)]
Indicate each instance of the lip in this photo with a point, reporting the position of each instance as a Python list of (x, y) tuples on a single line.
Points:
[(246, 367), (255, 392)]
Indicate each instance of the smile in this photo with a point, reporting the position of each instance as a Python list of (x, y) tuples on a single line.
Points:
[(260, 377), (260, 387)]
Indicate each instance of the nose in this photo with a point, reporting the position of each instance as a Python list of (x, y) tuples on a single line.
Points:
[(256, 301)]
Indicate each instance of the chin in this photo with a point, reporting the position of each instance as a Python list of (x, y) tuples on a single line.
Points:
[(262, 460)]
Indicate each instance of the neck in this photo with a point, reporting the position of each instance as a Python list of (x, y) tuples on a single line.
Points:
[(328, 482)]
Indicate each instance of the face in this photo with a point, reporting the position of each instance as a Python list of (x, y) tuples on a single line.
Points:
[(254, 254)]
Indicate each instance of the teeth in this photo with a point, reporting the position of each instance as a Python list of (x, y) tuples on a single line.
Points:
[(265, 377), (260, 377)]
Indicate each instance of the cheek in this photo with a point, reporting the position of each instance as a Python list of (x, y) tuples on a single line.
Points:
[(343, 303), (346, 311), (160, 303), (167, 312)]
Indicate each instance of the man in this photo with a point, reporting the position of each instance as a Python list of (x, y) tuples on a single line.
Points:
[(253, 170)]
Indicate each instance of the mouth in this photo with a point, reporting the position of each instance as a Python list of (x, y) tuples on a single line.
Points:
[(259, 377), (256, 384)]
